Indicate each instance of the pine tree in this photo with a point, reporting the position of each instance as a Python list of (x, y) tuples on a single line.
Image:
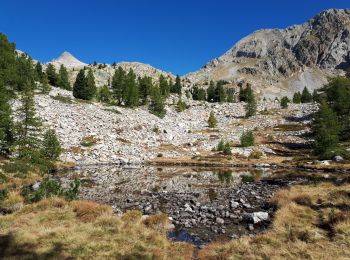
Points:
[(212, 122), (251, 102), (297, 98), (118, 84), (28, 128), (198, 93), (44, 85), (326, 129), (157, 106), (104, 95), (39, 72), (63, 81), (211, 92), (6, 122), (52, 75), (220, 93), (177, 87), (132, 97), (164, 86), (306, 96), (90, 86), (145, 87), (79, 85), (284, 102), (51, 147)]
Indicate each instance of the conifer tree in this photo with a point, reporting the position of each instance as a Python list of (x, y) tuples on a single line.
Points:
[(157, 106), (145, 87), (251, 102), (28, 128), (164, 86), (284, 102), (306, 96), (52, 75), (39, 72), (63, 81), (212, 121), (118, 84), (90, 86), (211, 92), (132, 96), (220, 93), (44, 85), (79, 85), (6, 122), (326, 129), (104, 95), (51, 147), (297, 98), (177, 87), (198, 93)]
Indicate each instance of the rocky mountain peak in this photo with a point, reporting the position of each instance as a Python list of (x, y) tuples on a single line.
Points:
[(68, 60), (282, 61)]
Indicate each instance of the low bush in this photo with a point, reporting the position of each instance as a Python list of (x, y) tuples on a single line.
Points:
[(247, 139), (88, 141), (50, 188)]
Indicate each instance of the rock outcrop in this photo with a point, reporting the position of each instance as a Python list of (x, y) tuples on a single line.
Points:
[(279, 62)]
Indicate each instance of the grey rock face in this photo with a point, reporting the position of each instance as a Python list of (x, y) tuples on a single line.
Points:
[(282, 61)]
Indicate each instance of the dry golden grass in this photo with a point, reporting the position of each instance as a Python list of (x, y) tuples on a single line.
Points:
[(57, 229), (296, 232)]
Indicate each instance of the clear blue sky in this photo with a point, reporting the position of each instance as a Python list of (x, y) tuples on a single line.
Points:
[(178, 36)]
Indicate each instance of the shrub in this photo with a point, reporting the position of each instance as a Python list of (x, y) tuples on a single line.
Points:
[(256, 154), (247, 139), (49, 188), (221, 145), (212, 122), (63, 99), (160, 155), (3, 194), (181, 106), (156, 129), (88, 141), (227, 149)]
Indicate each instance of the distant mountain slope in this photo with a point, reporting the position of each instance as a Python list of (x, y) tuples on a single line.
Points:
[(104, 72), (278, 62)]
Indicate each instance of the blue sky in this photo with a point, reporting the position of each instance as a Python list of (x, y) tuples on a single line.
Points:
[(178, 36)]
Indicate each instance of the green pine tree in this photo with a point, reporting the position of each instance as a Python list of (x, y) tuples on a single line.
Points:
[(284, 102), (51, 147), (297, 98), (90, 86), (157, 106), (118, 84), (6, 122), (220, 93), (104, 95), (52, 75), (132, 96), (251, 105), (80, 85), (28, 128), (145, 87), (212, 121), (326, 129), (177, 87), (63, 81), (164, 86), (39, 72), (44, 85), (211, 92), (306, 96)]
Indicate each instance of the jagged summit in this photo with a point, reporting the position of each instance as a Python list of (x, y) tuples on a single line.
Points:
[(280, 62), (68, 60)]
